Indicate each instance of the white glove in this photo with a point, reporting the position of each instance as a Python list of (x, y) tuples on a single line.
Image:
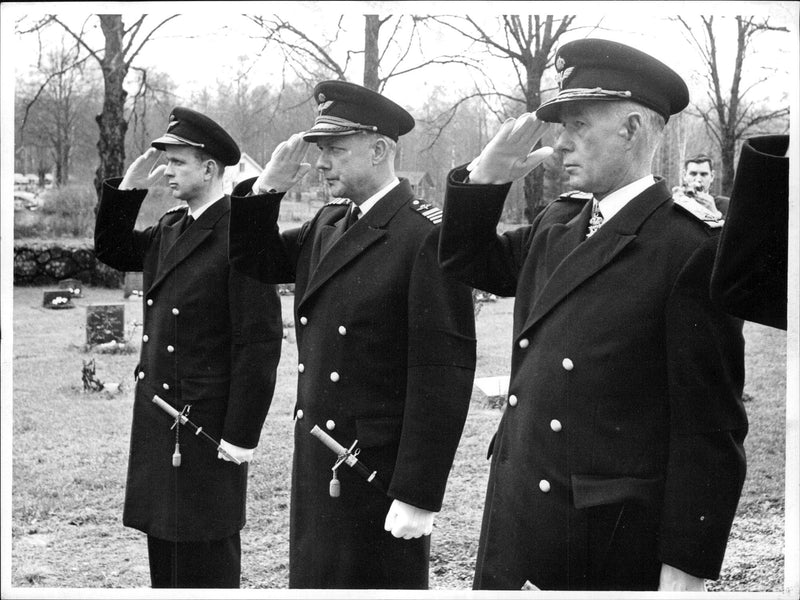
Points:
[(673, 579), (509, 155), (141, 175), (241, 454), (407, 522), (286, 166)]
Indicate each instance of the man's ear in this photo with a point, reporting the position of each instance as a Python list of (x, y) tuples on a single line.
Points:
[(632, 126), (210, 169), (380, 151)]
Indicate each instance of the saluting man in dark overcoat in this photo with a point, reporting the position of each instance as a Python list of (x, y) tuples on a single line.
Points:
[(750, 278), (619, 460), (386, 344), (210, 346)]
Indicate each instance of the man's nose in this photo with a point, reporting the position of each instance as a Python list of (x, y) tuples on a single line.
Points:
[(563, 143), (322, 163)]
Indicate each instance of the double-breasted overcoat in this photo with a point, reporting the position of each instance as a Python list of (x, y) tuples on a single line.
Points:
[(211, 339), (386, 356), (620, 446)]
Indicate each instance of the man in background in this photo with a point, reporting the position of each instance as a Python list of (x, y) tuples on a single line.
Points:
[(698, 175), (210, 348)]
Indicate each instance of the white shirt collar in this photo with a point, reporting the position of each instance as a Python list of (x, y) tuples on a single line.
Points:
[(373, 200), (613, 203), (199, 211)]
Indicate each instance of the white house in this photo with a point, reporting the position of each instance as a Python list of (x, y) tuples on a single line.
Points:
[(234, 174)]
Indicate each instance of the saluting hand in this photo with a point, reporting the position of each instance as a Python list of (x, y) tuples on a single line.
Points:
[(510, 155), (141, 175), (285, 168), (407, 522)]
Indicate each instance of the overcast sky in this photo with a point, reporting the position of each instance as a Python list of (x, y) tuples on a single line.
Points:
[(204, 44)]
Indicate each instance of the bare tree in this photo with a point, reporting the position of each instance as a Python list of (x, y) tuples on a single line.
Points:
[(121, 46), (529, 41), (314, 57), (729, 115)]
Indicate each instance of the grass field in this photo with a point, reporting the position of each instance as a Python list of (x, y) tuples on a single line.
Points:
[(70, 457)]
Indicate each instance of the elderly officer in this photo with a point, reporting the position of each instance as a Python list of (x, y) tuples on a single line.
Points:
[(210, 347), (750, 278), (386, 345), (618, 462)]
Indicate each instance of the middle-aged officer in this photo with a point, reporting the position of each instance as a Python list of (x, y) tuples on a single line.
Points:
[(210, 346), (618, 462), (386, 344)]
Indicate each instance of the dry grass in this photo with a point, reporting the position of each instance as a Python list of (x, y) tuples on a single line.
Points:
[(70, 456)]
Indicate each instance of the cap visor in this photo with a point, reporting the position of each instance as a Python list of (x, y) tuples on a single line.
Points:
[(173, 140)]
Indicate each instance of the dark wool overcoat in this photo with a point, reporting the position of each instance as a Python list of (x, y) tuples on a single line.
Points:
[(211, 339), (620, 446), (750, 276), (386, 349)]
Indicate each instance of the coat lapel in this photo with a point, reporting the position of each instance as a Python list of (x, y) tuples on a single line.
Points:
[(179, 247), (577, 259), (342, 249)]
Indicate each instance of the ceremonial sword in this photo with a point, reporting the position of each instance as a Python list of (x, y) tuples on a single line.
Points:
[(182, 419), (347, 457)]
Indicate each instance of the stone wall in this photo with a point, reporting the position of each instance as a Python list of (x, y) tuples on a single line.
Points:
[(46, 262)]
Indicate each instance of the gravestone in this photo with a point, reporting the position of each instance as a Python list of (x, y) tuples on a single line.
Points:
[(134, 285), (57, 299), (105, 323), (75, 287)]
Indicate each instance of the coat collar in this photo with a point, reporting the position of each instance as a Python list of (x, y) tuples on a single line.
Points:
[(339, 249), (174, 249), (575, 259)]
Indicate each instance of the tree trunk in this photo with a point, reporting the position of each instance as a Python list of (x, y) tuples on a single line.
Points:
[(727, 152), (372, 26), (111, 121)]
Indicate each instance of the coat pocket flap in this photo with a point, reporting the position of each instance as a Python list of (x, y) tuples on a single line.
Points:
[(380, 431), (597, 490)]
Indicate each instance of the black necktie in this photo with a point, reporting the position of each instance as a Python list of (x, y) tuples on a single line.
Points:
[(185, 221), (351, 217)]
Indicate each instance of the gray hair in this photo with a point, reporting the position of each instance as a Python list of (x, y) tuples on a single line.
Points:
[(652, 123)]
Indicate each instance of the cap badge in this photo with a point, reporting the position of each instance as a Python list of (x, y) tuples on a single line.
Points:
[(321, 108), (321, 97), (562, 77), (560, 63)]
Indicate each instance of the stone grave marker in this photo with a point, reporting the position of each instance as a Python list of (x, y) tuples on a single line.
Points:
[(75, 287), (105, 323), (57, 299), (134, 285)]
